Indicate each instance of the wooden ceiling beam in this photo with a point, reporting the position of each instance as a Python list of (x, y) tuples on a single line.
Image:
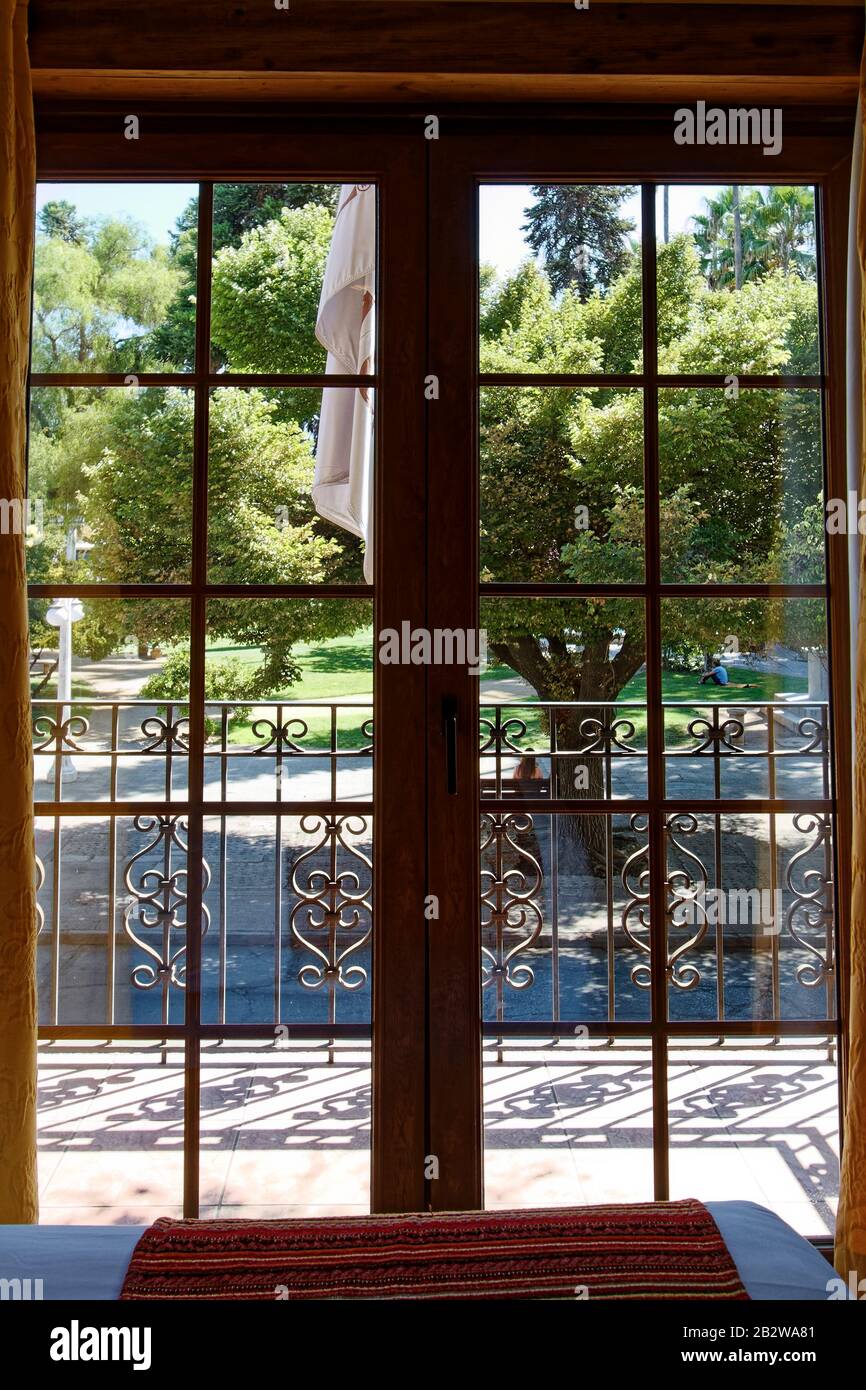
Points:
[(394, 49)]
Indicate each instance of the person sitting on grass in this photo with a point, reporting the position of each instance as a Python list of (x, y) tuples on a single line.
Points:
[(719, 676)]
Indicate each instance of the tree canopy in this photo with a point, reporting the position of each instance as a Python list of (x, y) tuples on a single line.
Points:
[(561, 470)]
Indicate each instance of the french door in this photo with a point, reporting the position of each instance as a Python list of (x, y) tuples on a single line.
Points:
[(509, 873), (230, 787), (646, 981)]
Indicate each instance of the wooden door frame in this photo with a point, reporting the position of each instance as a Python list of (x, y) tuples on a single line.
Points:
[(426, 990), (532, 147), (185, 145)]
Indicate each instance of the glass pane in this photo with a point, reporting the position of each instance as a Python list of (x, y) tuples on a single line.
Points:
[(289, 685), (737, 279), (271, 244), (112, 919), (285, 1129), (561, 485), (564, 919), (114, 277), (110, 485), (290, 919), (110, 1134), (106, 726), (746, 687), (751, 916), (758, 1121), (563, 699), (567, 1125), (263, 449), (742, 486), (560, 278)]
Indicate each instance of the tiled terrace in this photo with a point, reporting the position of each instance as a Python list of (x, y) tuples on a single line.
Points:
[(285, 1132)]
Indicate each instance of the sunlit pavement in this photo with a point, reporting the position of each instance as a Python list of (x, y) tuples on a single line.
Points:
[(285, 1132)]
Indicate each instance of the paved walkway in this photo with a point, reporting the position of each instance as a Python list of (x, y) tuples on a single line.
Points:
[(285, 1134)]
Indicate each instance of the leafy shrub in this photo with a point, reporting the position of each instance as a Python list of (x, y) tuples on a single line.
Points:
[(229, 679)]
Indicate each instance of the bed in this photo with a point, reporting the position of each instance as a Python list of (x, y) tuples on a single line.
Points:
[(90, 1262)]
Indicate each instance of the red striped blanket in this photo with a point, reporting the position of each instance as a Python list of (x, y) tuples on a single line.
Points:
[(640, 1250)]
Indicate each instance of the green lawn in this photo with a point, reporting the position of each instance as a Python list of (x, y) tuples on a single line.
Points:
[(342, 667), (80, 691), (332, 669), (676, 686), (337, 669)]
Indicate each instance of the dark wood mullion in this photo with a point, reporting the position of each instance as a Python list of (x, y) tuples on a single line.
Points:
[(454, 940), (635, 380), (195, 773), (832, 283), (400, 761), (351, 591), (530, 590), (245, 380), (504, 590), (540, 806), (314, 1032), (564, 380), (537, 806), (654, 698)]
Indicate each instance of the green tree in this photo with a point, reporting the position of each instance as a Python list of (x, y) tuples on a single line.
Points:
[(745, 234), (132, 456), (119, 462), (97, 294), (238, 208), (59, 220), (562, 478), (580, 233)]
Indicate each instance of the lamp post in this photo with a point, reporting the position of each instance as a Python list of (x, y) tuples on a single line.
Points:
[(62, 613)]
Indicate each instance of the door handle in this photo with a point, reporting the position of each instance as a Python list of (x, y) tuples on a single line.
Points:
[(449, 729)]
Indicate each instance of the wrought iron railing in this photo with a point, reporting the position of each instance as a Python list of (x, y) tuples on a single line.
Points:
[(565, 895)]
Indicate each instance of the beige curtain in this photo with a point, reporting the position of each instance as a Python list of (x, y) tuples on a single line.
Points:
[(18, 1188), (851, 1223)]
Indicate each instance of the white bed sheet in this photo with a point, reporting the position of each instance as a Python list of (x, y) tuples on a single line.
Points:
[(89, 1262)]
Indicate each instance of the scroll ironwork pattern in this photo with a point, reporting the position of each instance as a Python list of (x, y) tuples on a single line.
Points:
[(686, 884), (635, 879), (511, 885), (811, 907), (159, 901), (332, 901)]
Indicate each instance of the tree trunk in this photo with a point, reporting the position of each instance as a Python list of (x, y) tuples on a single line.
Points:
[(582, 838), (666, 220), (557, 676), (738, 240)]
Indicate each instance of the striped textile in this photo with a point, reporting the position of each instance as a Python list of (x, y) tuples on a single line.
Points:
[(640, 1250)]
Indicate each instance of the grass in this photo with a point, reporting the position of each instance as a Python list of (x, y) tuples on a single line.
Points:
[(80, 691), (336, 669), (331, 670), (340, 668), (676, 685)]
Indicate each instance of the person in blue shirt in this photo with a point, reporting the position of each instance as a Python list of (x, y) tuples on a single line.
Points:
[(718, 676)]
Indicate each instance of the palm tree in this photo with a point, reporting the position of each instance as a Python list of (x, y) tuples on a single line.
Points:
[(785, 219), (738, 237), (744, 234)]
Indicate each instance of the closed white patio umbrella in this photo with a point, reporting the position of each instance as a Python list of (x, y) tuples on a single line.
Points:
[(343, 478)]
